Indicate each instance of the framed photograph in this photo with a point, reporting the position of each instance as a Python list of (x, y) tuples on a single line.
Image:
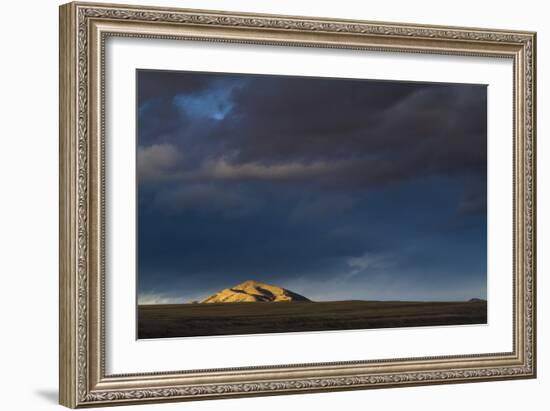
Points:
[(259, 204)]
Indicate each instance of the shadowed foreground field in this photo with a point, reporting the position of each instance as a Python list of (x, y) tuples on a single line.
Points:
[(185, 320)]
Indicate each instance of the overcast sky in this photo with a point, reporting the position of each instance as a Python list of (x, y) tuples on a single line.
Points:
[(333, 188)]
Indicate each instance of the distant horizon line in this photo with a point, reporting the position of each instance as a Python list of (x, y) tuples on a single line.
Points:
[(196, 302)]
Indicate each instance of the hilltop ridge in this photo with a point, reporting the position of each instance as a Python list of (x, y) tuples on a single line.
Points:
[(253, 291)]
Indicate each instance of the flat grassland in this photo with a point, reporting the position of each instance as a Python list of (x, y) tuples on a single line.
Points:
[(186, 320)]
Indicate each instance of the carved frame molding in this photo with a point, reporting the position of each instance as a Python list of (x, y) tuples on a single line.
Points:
[(84, 27)]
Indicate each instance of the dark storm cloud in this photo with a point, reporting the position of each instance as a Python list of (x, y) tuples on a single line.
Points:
[(153, 84), (305, 180), (412, 130), (334, 131)]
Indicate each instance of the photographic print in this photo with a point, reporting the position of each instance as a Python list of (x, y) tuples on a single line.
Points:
[(270, 204)]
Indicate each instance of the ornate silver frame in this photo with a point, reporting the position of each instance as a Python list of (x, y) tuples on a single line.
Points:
[(83, 30)]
